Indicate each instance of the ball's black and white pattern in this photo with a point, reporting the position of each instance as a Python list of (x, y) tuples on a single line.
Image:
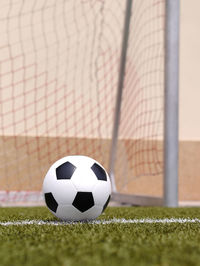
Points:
[(76, 188)]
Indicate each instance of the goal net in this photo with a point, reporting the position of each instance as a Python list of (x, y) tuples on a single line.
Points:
[(59, 73)]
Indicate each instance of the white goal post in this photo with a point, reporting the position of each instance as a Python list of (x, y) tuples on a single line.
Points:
[(171, 100)]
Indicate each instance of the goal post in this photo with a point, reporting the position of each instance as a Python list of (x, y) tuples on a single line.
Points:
[(91, 77), (171, 88), (120, 197), (122, 66), (171, 146)]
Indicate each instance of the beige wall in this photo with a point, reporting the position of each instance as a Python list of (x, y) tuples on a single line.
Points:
[(190, 70), (189, 95)]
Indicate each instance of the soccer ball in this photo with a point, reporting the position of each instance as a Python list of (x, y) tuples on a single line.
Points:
[(76, 188)]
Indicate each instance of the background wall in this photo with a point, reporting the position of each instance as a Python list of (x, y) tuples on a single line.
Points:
[(190, 70), (189, 170), (18, 80)]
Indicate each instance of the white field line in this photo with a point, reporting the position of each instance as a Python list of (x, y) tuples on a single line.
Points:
[(99, 222)]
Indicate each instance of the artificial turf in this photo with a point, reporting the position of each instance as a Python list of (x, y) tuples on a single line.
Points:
[(101, 244)]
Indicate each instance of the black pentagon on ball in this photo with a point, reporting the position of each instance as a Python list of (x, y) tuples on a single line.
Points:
[(106, 204), (50, 201), (83, 201), (99, 172), (65, 171)]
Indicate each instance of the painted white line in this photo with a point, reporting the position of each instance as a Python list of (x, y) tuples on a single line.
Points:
[(112, 221)]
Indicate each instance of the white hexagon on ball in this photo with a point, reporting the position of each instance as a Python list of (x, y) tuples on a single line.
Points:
[(76, 188)]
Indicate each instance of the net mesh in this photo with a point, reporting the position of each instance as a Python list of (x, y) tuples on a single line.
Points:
[(139, 166), (59, 63)]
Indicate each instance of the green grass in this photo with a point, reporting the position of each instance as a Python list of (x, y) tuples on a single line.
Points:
[(112, 244)]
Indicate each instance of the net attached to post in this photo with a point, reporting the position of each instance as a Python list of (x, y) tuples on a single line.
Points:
[(58, 77)]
